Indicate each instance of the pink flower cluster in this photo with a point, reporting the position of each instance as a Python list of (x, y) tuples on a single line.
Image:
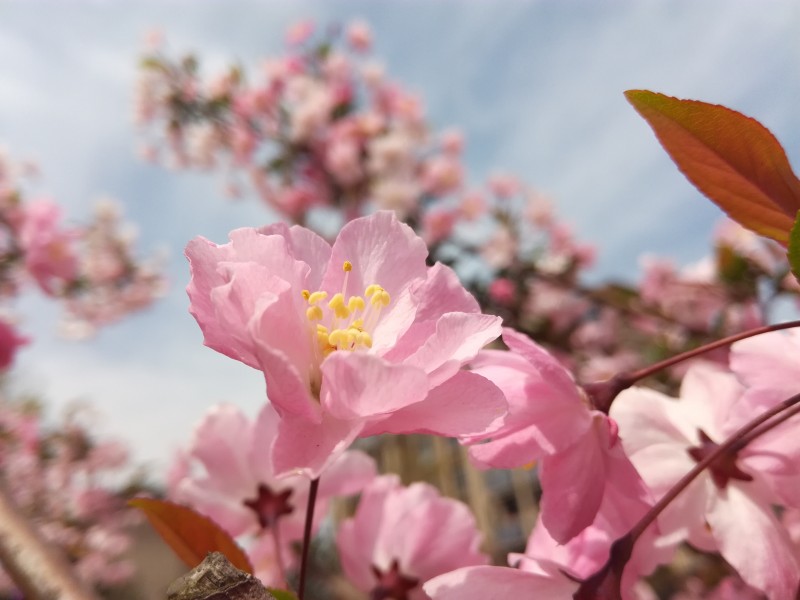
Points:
[(322, 127), (354, 339), (595, 489), (59, 479), (362, 337), (91, 269)]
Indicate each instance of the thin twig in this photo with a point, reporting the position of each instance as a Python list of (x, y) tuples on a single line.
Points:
[(312, 500)]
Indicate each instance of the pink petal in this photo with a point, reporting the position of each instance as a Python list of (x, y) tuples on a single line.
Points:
[(548, 368), (769, 362), (573, 483), (308, 448), (466, 404), (265, 430), (221, 441), (497, 583), (223, 331), (385, 252), (357, 537), (543, 419), (283, 345), (754, 543), (457, 339), (382, 250), (442, 292), (348, 474), (221, 507), (306, 246), (357, 385), (439, 539)]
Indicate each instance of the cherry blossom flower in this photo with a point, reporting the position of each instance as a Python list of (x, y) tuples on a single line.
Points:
[(50, 257), (729, 506), (10, 342), (226, 474), (356, 339), (583, 469), (400, 537)]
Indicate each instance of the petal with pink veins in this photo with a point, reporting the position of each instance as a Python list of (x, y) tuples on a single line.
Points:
[(466, 404), (357, 385)]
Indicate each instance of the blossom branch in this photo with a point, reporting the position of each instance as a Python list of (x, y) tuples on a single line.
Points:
[(34, 565), (603, 393), (606, 582), (312, 500)]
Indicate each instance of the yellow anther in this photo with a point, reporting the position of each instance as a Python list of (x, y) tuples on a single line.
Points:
[(364, 339), (371, 289), (337, 338), (347, 266), (314, 313), (306, 294), (355, 303), (338, 306), (316, 297), (380, 298), (322, 329), (357, 324)]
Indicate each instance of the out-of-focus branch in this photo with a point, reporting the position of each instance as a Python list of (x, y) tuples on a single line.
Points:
[(34, 565), (217, 579)]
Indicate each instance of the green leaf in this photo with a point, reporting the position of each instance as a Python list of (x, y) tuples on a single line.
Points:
[(794, 248), (731, 158), (282, 594), (191, 535)]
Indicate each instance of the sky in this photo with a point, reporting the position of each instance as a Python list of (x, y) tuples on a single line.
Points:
[(535, 86)]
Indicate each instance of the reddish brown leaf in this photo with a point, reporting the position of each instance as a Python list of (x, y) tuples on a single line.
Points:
[(191, 535), (731, 158)]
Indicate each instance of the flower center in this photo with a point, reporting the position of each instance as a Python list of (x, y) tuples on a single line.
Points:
[(392, 584), (724, 468), (344, 323), (269, 506), (341, 323)]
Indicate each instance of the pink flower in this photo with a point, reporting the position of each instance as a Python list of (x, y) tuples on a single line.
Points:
[(226, 474), (10, 342), (583, 469), (49, 255), (503, 186), (400, 537), (359, 36), (300, 32), (729, 506), (354, 340), (530, 580), (502, 291)]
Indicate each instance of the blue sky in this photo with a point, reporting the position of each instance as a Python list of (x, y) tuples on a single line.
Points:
[(536, 86)]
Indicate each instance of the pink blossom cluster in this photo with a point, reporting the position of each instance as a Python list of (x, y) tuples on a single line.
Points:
[(600, 474), (364, 336), (91, 269), (60, 478), (340, 364), (322, 126)]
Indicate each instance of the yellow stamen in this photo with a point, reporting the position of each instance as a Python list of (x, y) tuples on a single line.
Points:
[(314, 313), (306, 294), (347, 266), (355, 303), (337, 305), (380, 297), (316, 297), (364, 339)]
